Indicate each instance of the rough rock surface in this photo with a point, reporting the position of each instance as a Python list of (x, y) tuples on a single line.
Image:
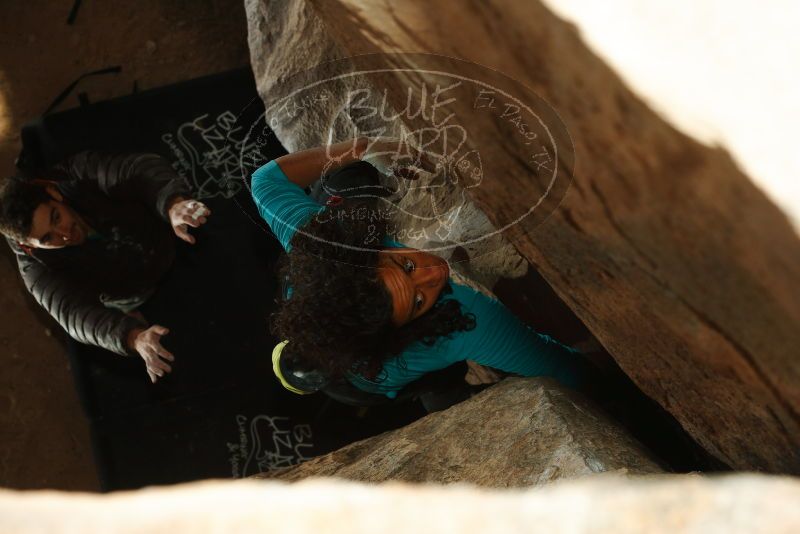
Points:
[(286, 38), (743, 503), (679, 266), (520, 432)]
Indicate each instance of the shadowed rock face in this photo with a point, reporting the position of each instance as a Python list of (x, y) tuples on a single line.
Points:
[(520, 432), (664, 249)]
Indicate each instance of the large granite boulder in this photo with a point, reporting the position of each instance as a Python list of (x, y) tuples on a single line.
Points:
[(684, 271), (743, 503), (291, 50), (520, 432)]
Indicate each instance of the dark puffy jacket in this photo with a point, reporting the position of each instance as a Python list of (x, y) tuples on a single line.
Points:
[(124, 198)]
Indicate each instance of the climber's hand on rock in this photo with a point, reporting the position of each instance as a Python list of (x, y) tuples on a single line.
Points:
[(396, 156)]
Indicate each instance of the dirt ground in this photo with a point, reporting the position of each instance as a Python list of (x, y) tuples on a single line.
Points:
[(44, 434)]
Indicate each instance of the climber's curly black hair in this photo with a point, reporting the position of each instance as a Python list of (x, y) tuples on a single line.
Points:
[(339, 316)]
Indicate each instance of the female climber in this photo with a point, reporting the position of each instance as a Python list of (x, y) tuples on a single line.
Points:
[(367, 309)]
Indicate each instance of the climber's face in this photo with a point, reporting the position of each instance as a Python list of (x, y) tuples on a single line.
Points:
[(414, 279)]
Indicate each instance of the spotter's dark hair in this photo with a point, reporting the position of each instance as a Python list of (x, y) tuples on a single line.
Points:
[(19, 198)]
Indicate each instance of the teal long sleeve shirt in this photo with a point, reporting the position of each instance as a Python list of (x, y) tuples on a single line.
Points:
[(499, 340)]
